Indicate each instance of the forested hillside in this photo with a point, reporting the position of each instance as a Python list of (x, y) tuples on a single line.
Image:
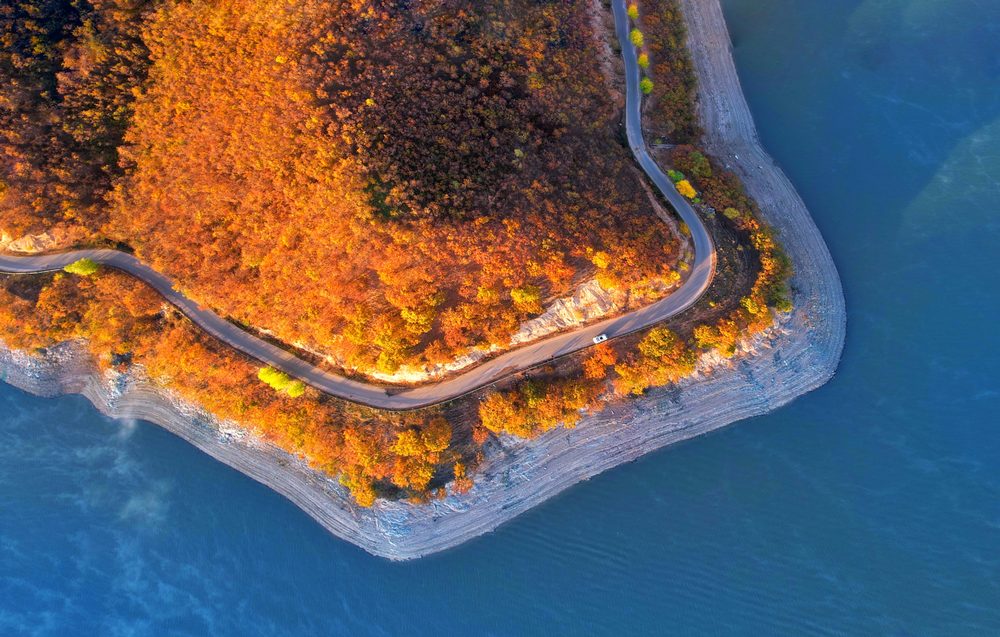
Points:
[(69, 71), (384, 181), (379, 181)]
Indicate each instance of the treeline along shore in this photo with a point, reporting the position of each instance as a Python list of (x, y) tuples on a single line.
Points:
[(799, 355)]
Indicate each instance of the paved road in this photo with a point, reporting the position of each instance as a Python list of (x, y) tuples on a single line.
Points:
[(702, 271)]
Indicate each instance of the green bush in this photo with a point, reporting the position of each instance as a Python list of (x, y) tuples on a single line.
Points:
[(700, 165), (83, 267), (646, 85), (636, 37), (281, 382)]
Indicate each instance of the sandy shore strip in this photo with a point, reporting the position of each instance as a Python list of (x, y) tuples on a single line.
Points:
[(802, 355)]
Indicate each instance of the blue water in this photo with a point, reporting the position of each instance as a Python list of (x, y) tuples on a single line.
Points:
[(870, 507)]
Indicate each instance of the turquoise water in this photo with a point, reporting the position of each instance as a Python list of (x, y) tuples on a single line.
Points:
[(869, 507)]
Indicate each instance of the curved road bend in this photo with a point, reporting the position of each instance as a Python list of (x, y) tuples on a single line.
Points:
[(702, 271)]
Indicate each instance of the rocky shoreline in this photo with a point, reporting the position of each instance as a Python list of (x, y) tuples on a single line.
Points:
[(798, 357)]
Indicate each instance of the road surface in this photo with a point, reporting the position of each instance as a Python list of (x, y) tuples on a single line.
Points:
[(702, 271)]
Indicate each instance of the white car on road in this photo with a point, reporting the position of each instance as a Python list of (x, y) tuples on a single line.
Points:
[(600, 338)]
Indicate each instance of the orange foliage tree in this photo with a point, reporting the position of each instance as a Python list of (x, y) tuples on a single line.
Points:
[(124, 322)]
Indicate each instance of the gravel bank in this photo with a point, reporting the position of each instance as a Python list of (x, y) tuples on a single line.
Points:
[(798, 357)]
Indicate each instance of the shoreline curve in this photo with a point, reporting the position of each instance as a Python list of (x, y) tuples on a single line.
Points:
[(801, 357)]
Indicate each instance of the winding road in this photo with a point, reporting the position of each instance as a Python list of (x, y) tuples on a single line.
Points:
[(539, 352)]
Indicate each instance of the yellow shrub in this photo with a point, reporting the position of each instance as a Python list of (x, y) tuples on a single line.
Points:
[(685, 188)]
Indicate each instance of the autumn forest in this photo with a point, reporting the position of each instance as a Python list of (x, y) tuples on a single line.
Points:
[(375, 183)]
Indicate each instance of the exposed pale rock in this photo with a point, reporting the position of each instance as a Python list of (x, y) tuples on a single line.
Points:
[(59, 237), (589, 303)]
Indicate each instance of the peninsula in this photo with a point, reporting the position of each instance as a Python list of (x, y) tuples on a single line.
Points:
[(411, 407)]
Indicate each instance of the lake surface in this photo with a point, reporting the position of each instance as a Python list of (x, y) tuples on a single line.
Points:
[(871, 506)]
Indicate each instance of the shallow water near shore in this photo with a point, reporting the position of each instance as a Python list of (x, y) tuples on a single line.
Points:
[(871, 506)]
